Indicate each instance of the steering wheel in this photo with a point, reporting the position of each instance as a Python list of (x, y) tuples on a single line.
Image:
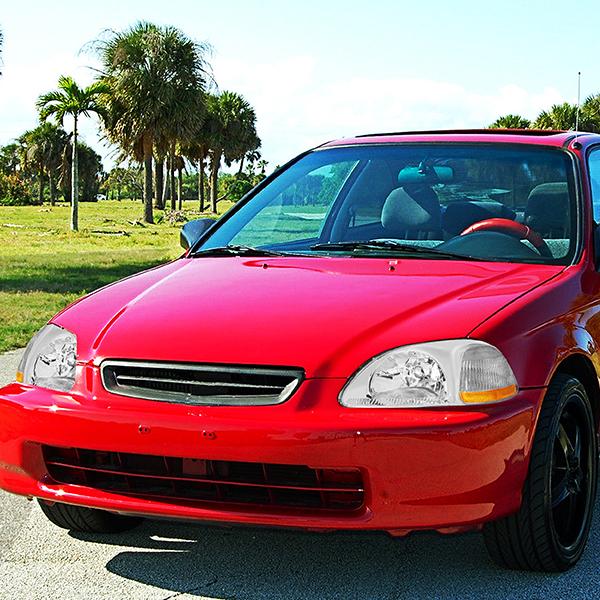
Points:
[(514, 229)]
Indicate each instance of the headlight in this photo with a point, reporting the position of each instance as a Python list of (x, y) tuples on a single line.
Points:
[(448, 373), (49, 359)]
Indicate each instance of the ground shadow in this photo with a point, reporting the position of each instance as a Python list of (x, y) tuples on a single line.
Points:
[(75, 279), (254, 564)]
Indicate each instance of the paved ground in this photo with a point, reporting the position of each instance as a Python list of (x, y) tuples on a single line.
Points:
[(162, 560)]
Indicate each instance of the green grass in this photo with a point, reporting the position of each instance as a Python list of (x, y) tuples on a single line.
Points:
[(44, 266)]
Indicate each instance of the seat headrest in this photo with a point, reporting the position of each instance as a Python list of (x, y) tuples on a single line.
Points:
[(411, 208), (460, 215), (547, 210)]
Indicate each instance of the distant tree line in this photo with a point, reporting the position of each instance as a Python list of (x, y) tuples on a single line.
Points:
[(158, 103), (558, 117), (37, 167), (126, 182)]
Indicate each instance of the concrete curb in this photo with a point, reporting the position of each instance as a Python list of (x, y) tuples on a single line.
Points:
[(9, 362)]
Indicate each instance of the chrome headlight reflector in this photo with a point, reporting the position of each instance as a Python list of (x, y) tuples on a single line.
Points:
[(49, 360), (446, 373)]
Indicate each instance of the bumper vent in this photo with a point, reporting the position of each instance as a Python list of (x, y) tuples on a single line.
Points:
[(198, 482), (216, 385)]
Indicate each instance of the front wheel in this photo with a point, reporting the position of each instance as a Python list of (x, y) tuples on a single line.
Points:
[(88, 520), (550, 531)]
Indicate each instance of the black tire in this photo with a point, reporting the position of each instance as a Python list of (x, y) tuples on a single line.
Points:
[(87, 520), (550, 531)]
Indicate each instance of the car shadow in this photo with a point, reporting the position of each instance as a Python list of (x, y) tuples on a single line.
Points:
[(251, 563)]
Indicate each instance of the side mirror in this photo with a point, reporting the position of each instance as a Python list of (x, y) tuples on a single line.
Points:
[(192, 231)]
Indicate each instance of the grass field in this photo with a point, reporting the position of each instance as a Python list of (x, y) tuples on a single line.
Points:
[(44, 266)]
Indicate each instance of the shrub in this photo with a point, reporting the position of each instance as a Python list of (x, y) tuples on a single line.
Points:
[(14, 191)]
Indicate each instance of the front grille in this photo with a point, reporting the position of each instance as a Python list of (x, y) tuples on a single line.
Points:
[(218, 385), (198, 482)]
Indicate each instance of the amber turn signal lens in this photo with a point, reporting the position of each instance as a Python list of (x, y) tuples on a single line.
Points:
[(489, 395), (19, 377)]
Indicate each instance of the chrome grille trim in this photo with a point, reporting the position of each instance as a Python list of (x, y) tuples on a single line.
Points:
[(200, 384), (190, 382)]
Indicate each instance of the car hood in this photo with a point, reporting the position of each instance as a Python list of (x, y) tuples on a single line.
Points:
[(326, 315)]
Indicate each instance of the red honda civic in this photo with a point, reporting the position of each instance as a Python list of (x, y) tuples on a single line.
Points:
[(392, 332)]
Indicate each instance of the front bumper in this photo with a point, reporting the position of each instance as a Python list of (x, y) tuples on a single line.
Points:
[(422, 469)]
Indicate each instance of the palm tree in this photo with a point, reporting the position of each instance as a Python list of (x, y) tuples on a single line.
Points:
[(10, 159), (90, 172), (123, 180), (559, 117), (31, 154), (589, 119), (195, 148), (230, 132), (43, 148), (511, 122), (197, 152), (159, 180), (70, 99), (157, 76)]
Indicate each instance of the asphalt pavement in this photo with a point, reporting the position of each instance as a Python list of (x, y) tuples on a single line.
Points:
[(163, 560)]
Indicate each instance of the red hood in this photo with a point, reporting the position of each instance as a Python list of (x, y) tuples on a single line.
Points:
[(327, 315)]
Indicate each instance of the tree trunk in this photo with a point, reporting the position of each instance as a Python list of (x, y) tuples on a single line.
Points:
[(74, 181), (159, 167), (167, 184), (148, 215), (172, 179), (201, 184), (41, 185), (214, 181), (241, 165), (52, 183), (179, 189)]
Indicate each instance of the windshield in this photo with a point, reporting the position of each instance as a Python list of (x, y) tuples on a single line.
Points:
[(502, 202)]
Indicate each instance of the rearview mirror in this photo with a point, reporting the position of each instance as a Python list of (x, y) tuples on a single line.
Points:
[(192, 231)]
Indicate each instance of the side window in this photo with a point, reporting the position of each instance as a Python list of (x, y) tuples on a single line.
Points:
[(594, 170)]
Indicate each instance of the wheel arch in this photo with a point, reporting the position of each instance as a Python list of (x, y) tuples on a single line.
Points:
[(580, 366)]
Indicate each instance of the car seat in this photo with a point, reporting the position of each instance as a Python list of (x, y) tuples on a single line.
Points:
[(547, 210), (412, 212)]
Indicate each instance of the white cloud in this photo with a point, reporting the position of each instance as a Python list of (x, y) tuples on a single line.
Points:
[(297, 104), (24, 80), (296, 108)]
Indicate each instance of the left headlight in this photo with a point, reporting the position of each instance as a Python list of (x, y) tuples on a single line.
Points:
[(446, 373), (49, 360)]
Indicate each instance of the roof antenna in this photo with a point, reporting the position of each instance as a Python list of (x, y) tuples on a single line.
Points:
[(578, 104)]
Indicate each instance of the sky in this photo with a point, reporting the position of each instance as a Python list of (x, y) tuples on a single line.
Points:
[(316, 70)]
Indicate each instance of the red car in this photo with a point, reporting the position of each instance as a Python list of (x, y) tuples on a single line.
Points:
[(392, 332)]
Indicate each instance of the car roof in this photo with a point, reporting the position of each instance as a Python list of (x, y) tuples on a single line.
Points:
[(544, 137)]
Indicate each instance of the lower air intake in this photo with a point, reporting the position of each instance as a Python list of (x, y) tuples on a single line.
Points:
[(196, 481)]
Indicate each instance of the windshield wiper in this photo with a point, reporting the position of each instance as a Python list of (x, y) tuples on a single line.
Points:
[(389, 245), (236, 250)]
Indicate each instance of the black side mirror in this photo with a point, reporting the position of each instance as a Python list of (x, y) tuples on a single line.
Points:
[(192, 231)]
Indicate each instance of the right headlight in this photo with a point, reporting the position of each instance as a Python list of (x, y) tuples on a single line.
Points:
[(446, 373), (50, 359)]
